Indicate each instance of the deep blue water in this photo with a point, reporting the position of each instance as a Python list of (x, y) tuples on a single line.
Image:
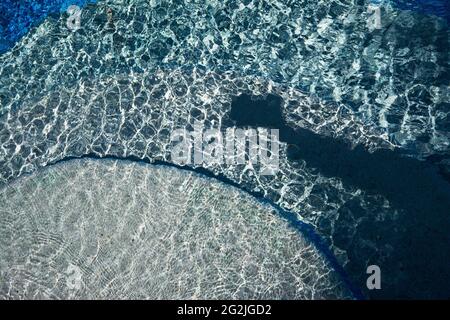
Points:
[(440, 8), (17, 17)]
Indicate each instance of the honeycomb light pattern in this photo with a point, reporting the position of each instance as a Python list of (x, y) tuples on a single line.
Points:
[(109, 229), (395, 79), (134, 117)]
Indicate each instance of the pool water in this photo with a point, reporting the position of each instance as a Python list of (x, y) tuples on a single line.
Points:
[(358, 89)]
